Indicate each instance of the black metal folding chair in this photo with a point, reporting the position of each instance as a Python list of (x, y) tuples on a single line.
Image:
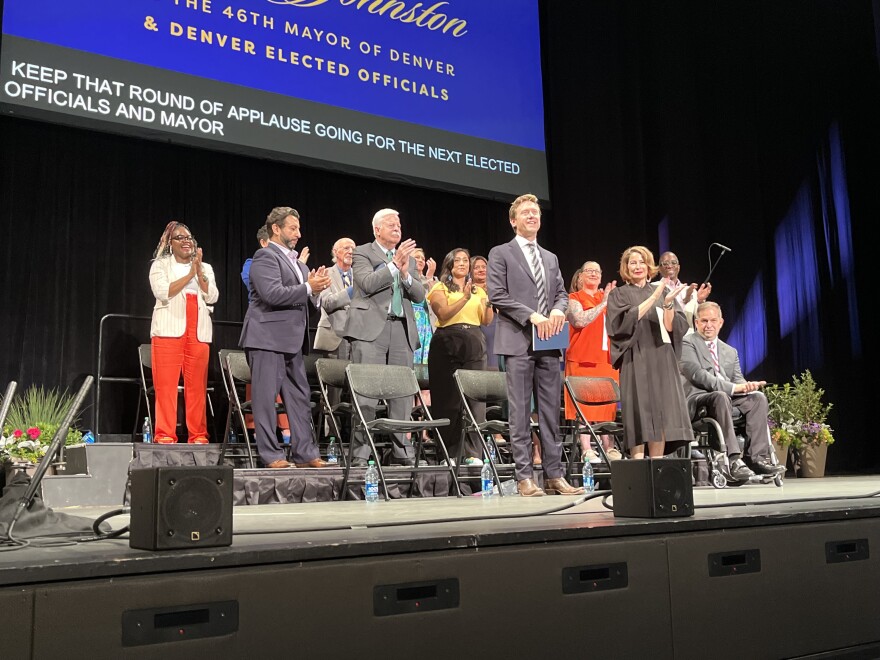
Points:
[(489, 388), (385, 383), (589, 391), (331, 373)]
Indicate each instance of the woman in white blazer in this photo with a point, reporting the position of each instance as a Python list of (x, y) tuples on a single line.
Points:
[(181, 332)]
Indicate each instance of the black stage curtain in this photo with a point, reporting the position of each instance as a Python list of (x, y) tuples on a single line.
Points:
[(672, 125)]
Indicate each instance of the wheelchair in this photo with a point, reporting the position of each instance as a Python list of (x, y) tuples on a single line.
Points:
[(709, 439)]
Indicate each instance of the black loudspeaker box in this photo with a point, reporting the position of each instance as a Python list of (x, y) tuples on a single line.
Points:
[(652, 488), (181, 507)]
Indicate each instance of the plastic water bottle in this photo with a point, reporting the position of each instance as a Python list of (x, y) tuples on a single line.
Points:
[(232, 437), (332, 453), (588, 480), (371, 483), (88, 436), (491, 443), (147, 430), (487, 479)]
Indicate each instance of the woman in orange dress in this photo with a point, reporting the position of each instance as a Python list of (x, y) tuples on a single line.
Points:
[(588, 351)]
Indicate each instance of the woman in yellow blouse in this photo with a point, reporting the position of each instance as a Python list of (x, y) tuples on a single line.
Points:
[(458, 343)]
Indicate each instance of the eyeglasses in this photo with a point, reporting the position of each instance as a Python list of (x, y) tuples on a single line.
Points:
[(674, 262), (181, 238), (591, 271)]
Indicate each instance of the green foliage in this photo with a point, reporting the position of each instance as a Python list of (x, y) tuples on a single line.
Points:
[(33, 420), (797, 413)]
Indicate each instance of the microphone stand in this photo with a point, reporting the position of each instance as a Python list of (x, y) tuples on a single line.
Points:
[(7, 401), (57, 442), (711, 265)]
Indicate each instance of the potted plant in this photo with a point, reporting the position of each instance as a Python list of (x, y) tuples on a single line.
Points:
[(33, 420), (797, 420)]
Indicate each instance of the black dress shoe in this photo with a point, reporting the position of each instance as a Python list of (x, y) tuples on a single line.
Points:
[(764, 466), (359, 462), (739, 471)]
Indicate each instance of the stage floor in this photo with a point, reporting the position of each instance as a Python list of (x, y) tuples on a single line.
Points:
[(336, 530), (441, 576)]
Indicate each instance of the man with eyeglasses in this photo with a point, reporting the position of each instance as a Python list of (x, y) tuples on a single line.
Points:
[(669, 267), (381, 323), (711, 377), (526, 288)]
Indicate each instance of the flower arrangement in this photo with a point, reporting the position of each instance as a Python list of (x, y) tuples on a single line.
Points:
[(797, 413), (32, 422)]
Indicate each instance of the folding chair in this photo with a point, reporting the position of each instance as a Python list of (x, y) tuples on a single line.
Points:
[(490, 388), (145, 360), (237, 374), (331, 373), (385, 383), (593, 391)]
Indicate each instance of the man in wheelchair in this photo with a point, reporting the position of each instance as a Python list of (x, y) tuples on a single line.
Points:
[(712, 379)]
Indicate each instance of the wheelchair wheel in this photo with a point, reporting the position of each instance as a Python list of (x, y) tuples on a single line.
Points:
[(718, 480)]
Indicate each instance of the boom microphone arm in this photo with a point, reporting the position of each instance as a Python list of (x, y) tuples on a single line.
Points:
[(724, 250)]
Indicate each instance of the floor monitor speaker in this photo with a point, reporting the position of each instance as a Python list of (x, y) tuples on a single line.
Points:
[(181, 507), (652, 488)]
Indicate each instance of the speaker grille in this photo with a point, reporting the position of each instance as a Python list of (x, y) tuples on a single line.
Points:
[(191, 510), (673, 488)]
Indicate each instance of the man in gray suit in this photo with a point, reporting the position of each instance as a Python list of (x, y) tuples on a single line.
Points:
[(275, 337), (712, 377), (381, 324), (526, 288), (335, 301)]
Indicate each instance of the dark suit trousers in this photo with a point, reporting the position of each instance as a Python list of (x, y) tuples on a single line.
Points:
[(753, 407), (538, 373), (272, 372), (390, 347)]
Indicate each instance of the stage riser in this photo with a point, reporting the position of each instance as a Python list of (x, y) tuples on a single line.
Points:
[(797, 603), (17, 606), (96, 475), (511, 602)]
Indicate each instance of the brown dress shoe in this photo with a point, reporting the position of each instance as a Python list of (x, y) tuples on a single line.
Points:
[(560, 486), (528, 488), (314, 463), (280, 463)]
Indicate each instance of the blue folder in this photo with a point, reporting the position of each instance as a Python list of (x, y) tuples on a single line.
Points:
[(558, 342)]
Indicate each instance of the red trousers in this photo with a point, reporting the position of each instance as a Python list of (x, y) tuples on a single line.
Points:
[(170, 355)]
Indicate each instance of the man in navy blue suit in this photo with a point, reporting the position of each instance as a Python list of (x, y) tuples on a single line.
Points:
[(275, 337), (527, 290)]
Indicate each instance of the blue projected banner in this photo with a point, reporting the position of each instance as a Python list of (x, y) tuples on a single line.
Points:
[(447, 94)]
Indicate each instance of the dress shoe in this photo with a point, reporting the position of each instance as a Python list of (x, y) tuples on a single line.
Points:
[(528, 488), (763, 466), (560, 486), (739, 471), (314, 463), (280, 463), (359, 462)]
